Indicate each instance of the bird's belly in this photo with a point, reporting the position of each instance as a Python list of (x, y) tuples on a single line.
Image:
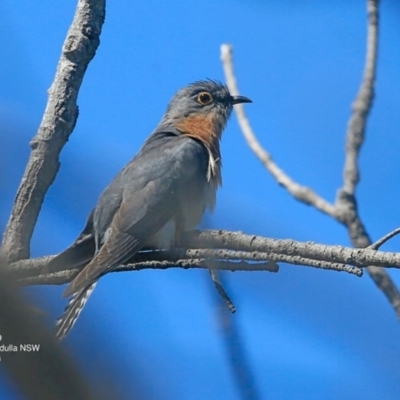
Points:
[(164, 238), (190, 211)]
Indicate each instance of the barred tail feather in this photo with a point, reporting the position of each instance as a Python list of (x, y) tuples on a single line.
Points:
[(71, 313)]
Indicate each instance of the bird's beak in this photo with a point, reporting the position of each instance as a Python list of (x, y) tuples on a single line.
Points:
[(240, 99)]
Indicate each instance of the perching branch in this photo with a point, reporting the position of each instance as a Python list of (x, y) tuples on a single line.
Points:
[(58, 122), (62, 277), (233, 251), (345, 208)]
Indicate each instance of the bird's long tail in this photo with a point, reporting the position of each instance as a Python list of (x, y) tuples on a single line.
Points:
[(71, 313)]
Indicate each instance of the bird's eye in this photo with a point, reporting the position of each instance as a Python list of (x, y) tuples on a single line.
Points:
[(204, 98)]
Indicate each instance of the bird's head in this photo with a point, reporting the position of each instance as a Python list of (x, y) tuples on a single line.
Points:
[(202, 105)]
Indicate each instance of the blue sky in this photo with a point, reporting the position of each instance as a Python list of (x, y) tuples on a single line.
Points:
[(307, 334)]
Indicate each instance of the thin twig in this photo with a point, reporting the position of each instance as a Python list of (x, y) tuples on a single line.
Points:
[(62, 277), (380, 242), (301, 193), (239, 361), (58, 122), (362, 104), (221, 291)]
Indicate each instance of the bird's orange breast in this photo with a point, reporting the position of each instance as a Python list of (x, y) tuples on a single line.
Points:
[(208, 130), (203, 127)]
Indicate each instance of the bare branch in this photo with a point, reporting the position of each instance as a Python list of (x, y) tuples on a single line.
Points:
[(346, 204), (345, 209), (221, 291), (289, 248), (362, 104), (301, 193), (62, 277), (58, 122), (233, 251), (315, 261)]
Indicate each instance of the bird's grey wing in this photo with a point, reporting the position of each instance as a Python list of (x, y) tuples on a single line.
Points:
[(107, 205), (149, 201), (78, 254), (83, 249)]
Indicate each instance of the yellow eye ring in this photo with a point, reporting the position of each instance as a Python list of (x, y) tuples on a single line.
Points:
[(204, 98)]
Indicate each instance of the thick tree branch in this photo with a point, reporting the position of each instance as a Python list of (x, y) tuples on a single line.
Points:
[(345, 208), (58, 122)]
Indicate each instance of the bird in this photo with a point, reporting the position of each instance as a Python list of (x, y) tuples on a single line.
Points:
[(159, 195)]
